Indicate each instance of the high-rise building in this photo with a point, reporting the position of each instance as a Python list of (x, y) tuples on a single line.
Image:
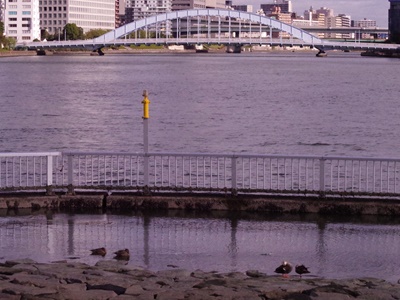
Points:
[(243, 7), (394, 21), (365, 23), (327, 12), (284, 5), (188, 4), (21, 20), (139, 9), (88, 14)]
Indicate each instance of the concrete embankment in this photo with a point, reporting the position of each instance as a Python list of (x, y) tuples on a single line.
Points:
[(112, 279), (201, 202)]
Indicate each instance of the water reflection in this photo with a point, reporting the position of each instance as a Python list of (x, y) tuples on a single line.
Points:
[(351, 247)]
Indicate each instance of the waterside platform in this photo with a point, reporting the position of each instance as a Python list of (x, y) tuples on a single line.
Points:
[(204, 202)]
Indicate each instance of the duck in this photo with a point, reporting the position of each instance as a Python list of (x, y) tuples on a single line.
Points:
[(122, 254), (99, 251), (285, 268), (301, 269)]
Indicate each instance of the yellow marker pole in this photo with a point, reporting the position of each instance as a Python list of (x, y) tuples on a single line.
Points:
[(146, 103)]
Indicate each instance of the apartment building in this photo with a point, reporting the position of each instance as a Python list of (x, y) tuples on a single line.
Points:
[(246, 8), (140, 9), (285, 6), (87, 14), (21, 20), (394, 21)]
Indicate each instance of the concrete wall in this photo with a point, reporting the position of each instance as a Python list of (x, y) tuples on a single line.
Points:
[(203, 202)]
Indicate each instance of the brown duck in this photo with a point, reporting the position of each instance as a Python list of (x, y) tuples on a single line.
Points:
[(301, 269), (285, 268), (99, 251), (122, 254)]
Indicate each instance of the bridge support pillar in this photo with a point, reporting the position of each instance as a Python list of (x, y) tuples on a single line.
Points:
[(101, 53), (233, 48), (321, 53), (41, 52)]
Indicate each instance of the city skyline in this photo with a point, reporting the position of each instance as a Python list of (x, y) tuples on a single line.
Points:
[(357, 9)]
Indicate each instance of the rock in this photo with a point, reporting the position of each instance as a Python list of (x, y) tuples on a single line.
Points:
[(134, 290), (25, 261), (255, 274), (108, 287), (113, 279)]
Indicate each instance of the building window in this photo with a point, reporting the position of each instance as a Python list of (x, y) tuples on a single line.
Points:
[(12, 6), (26, 12), (12, 12), (12, 19), (26, 37), (12, 25), (26, 31)]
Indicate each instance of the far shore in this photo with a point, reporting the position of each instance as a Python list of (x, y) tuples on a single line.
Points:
[(127, 50)]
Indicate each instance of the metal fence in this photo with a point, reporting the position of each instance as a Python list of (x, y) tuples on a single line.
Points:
[(202, 172)]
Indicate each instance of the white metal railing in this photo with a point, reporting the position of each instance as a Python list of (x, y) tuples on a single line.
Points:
[(196, 171)]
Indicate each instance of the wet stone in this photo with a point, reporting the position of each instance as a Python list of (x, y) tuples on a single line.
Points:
[(113, 280)]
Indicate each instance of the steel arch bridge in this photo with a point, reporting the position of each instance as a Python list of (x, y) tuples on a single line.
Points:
[(208, 26), (209, 14)]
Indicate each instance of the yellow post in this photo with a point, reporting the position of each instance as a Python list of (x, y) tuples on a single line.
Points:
[(146, 103)]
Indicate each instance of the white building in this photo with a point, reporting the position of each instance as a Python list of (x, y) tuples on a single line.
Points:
[(87, 14), (365, 23), (140, 9), (21, 20)]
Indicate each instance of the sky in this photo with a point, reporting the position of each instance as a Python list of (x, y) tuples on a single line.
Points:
[(358, 9)]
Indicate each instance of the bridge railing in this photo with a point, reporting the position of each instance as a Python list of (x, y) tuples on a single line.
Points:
[(200, 172)]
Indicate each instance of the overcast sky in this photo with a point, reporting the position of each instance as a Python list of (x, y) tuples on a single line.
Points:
[(357, 9)]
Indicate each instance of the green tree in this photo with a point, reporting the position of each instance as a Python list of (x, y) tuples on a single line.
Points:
[(8, 42), (1, 29), (73, 32), (94, 33)]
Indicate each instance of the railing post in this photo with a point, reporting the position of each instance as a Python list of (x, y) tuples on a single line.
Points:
[(49, 183), (234, 175), (146, 103), (322, 176), (70, 174)]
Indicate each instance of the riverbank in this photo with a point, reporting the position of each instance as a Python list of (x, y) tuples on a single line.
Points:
[(112, 279), (143, 50), (130, 201)]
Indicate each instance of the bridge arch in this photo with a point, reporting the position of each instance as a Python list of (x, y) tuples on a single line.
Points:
[(180, 14)]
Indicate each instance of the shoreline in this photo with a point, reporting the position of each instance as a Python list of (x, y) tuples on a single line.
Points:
[(349, 205), (113, 279)]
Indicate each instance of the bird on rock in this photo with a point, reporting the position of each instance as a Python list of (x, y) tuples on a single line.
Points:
[(301, 269), (99, 251), (122, 254), (285, 268)]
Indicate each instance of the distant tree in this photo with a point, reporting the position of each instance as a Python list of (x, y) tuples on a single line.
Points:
[(73, 32), (1, 29), (8, 42), (94, 33)]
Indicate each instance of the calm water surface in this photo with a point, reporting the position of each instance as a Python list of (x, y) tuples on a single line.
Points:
[(279, 103), (331, 248), (291, 103)]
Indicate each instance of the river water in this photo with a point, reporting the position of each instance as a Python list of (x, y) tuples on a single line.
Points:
[(264, 103), (279, 103)]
